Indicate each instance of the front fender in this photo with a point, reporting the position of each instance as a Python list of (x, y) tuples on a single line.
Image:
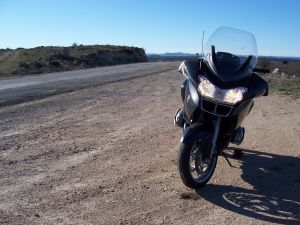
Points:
[(197, 131)]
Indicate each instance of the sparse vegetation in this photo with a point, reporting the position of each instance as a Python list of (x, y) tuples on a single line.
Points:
[(52, 59), (291, 68), (284, 77), (283, 85)]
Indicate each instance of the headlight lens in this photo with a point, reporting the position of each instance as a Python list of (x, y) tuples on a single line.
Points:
[(230, 96)]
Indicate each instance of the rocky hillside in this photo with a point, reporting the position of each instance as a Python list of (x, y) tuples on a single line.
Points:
[(52, 59)]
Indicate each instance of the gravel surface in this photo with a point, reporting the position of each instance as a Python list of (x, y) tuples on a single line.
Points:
[(107, 155)]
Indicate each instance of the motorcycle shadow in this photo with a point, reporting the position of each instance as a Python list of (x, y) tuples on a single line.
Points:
[(275, 196)]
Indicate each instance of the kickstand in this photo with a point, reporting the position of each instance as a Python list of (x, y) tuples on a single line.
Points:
[(225, 156)]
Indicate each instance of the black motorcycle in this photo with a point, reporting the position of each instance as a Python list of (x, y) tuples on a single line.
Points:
[(218, 94)]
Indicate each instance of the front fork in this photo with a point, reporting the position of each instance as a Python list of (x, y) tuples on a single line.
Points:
[(217, 124), (214, 151)]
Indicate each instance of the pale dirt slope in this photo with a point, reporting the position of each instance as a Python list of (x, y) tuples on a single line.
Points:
[(106, 155)]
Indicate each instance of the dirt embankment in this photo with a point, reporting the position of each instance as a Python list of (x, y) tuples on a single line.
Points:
[(52, 59), (107, 155)]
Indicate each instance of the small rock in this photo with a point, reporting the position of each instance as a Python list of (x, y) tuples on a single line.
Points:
[(276, 71)]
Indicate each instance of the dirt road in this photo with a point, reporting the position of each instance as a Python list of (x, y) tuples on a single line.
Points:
[(106, 155), (30, 87)]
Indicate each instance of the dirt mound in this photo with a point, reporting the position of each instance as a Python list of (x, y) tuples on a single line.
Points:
[(53, 59)]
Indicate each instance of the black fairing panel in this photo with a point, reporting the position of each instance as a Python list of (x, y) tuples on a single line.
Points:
[(239, 112), (192, 67), (191, 103), (257, 87), (197, 131), (182, 88)]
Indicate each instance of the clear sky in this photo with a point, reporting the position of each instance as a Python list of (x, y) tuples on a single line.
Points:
[(156, 25)]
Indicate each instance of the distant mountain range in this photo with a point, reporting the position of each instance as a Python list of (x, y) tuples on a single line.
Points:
[(279, 58)]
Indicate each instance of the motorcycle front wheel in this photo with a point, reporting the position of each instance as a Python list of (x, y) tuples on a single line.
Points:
[(195, 163)]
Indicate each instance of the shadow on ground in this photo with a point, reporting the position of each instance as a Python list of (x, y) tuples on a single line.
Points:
[(275, 196)]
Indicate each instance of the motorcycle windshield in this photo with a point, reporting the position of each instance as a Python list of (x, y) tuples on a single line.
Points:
[(231, 54)]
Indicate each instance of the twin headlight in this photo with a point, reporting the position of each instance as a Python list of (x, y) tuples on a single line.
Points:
[(229, 96)]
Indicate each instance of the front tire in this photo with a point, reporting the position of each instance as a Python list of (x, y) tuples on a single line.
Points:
[(187, 170)]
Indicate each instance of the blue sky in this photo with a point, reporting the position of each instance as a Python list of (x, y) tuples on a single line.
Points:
[(156, 25)]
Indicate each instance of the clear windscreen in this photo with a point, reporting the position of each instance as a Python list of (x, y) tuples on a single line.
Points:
[(231, 54)]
